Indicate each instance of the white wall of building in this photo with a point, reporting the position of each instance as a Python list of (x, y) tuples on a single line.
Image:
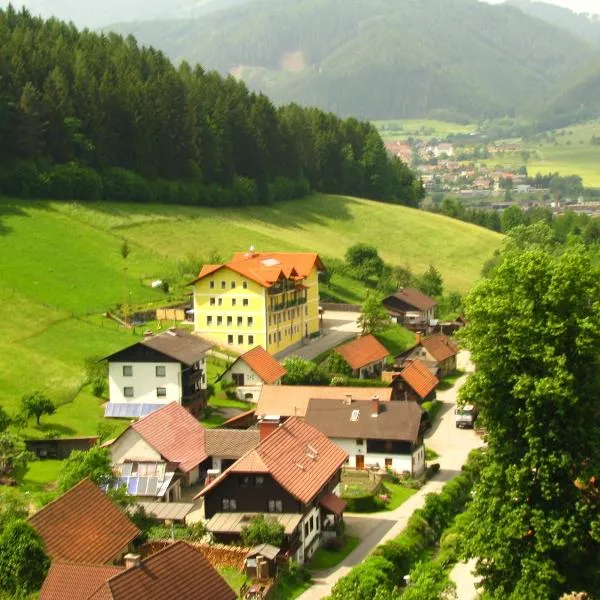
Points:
[(144, 383), (302, 555), (131, 445), (252, 382), (414, 463)]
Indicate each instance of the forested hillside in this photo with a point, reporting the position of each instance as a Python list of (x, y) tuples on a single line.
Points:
[(584, 26), (88, 116), (453, 59)]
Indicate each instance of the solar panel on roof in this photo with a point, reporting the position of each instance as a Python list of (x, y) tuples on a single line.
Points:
[(132, 486)]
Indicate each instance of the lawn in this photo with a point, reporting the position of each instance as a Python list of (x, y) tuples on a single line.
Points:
[(325, 558), (65, 267), (449, 381), (398, 494), (403, 128), (40, 475), (396, 339), (290, 586), (236, 579)]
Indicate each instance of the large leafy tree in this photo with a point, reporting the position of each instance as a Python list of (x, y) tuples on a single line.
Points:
[(374, 318), (263, 530), (37, 404), (13, 454), (534, 335), (94, 463)]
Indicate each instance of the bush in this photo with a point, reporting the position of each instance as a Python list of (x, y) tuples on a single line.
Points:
[(263, 530), (72, 182), (374, 575), (121, 185), (360, 504)]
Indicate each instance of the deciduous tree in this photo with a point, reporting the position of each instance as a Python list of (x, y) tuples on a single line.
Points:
[(263, 530), (37, 404), (94, 463), (374, 318), (534, 334)]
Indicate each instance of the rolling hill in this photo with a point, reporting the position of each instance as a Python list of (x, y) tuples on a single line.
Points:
[(54, 291), (381, 59)]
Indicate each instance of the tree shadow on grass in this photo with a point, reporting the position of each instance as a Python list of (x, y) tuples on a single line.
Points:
[(46, 428), (14, 208)]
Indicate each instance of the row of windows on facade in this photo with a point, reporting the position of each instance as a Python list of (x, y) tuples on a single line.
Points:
[(310, 525), (239, 321), (240, 340), (230, 505), (219, 301), (290, 315), (161, 392), (159, 370), (212, 284), (276, 337)]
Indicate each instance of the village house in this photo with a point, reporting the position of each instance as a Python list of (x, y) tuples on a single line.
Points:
[(84, 526), (177, 571), (385, 435), (415, 382), (411, 308), (251, 371), (225, 446), (292, 475), (437, 352), (158, 454), (292, 400), (365, 356), (158, 370), (269, 299)]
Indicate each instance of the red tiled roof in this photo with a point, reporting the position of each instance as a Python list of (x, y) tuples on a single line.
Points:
[(83, 525), (416, 298), (363, 351), (263, 364), (419, 378), (176, 434), (286, 455), (178, 571), (233, 420), (440, 346), (75, 581), (266, 268), (333, 503)]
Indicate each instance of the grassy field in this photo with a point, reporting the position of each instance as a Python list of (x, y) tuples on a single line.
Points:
[(402, 128), (325, 558), (63, 267), (572, 153)]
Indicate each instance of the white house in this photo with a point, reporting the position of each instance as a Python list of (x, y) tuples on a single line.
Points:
[(170, 367), (365, 356), (158, 454), (251, 371), (387, 435)]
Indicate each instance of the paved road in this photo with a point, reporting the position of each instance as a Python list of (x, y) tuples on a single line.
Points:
[(462, 575), (453, 445), (337, 328)]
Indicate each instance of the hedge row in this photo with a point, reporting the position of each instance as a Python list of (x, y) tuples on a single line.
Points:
[(384, 570), (72, 181)]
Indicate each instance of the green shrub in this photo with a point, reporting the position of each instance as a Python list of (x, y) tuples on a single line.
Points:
[(374, 575), (360, 504), (121, 185)]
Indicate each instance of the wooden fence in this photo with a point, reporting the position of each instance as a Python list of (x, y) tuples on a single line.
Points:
[(340, 307)]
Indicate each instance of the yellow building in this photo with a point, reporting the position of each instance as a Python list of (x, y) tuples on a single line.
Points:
[(269, 299)]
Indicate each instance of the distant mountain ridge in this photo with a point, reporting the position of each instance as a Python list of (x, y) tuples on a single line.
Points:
[(381, 59)]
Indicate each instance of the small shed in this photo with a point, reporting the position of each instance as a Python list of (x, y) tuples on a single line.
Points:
[(261, 562), (59, 447)]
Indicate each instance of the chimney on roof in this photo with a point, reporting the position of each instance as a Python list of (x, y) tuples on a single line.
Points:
[(132, 560), (267, 425), (375, 406), (348, 399)]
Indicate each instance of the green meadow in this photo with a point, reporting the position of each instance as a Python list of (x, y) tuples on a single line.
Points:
[(62, 268), (395, 129)]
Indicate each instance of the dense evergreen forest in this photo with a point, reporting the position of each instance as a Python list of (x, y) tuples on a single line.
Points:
[(91, 116)]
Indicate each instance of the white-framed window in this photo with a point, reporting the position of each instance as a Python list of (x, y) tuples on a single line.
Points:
[(223, 285), (229, 504), (220, 301), (245, 302), (269, 338), (240, 321), (127, 370), (240, 339), (233, 285), (251, 340), (230, 339), (245, 285), (211, 284), (219, 320), (275, 506), (128, 392), (229, 321), (209, 320), (161, 392), (233, 302), (161, 371), (213, 300), (250, 321)]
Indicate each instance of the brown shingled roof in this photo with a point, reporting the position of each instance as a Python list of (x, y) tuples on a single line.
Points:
[(440, 346), (83, 525), (362, 351), (176, 434), (75, 581), (230, 443), (297, 455), (178, 571), (415, 298), (419, 378), (263, 364)]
